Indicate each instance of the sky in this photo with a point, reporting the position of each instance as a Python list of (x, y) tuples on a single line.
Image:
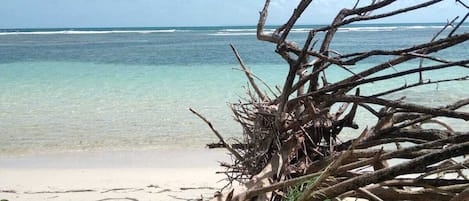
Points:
[(167, 13)]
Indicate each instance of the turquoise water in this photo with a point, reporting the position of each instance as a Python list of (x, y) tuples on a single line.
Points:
[(66, 90)]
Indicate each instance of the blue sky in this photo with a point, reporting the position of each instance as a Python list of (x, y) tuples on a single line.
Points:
[(153, 13)]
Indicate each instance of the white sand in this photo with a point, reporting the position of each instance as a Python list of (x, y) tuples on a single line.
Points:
[(111, 176)]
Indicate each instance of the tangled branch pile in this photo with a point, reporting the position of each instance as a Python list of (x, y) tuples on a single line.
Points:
[(291, 139)]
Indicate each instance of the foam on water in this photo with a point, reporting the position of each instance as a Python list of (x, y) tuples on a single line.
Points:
[(85, 32), (242, 30)]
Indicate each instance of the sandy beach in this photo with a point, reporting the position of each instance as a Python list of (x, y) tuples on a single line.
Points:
[(143, 175)]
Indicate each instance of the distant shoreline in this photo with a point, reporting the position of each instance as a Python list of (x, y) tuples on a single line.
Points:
[(215, 30), (3, 29)]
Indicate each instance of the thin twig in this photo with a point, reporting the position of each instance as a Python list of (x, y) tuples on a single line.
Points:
[(228, 147)]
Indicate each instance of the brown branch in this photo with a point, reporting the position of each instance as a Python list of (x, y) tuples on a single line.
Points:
[(331, 168), (459, 24), (417, 84), (433, 39), (388, 14), (432, 58), (259, 92), (228, 147), (461, 165), (438, 45), (422, 118), (294, 17), (373, 17), (396, 104), (369, 194), (397, 194), (463, 4), (391, 172), (261, 35), (399, 74), (260, 80), (423, 182), (404, 151)]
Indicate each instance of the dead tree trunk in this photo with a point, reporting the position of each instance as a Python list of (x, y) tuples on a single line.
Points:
[(291, 139)]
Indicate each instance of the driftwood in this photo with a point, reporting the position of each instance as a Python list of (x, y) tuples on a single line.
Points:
[(291, 140)]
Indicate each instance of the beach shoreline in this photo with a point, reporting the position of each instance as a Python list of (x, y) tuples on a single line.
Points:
[(168, 175)]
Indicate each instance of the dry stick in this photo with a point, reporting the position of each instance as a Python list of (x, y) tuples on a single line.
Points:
[(388, 14), (339, 20), (424, 182), (356, 4), (228, 147), (331, 168), (403, 151), (461, 165), (8, 191), (441, 44), (433, 39), (371, 7), (429, 48), (459, 24), (369, 194), (67, 191), (453, 106), (294, 17), (406, 86), (259, 79), (331, 31), (396, 104), (409, 153), (248, 74), (321, 65), (441, 123), (391, 172), (284, 96), (363, 55), (123, 189), (273, 37), (456, 188), (398, 60), (294, 67), (437, 45), (402, 73), (463, 4), (397, 194), (398, 74), (424, 56), (261, 35)]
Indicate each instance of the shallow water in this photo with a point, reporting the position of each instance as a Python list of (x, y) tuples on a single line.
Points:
[(88, 90)]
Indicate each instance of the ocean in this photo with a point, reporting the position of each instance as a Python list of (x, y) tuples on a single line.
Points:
[(111, 89)]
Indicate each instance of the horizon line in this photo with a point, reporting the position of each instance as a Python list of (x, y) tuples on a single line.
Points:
[(206, 26)]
